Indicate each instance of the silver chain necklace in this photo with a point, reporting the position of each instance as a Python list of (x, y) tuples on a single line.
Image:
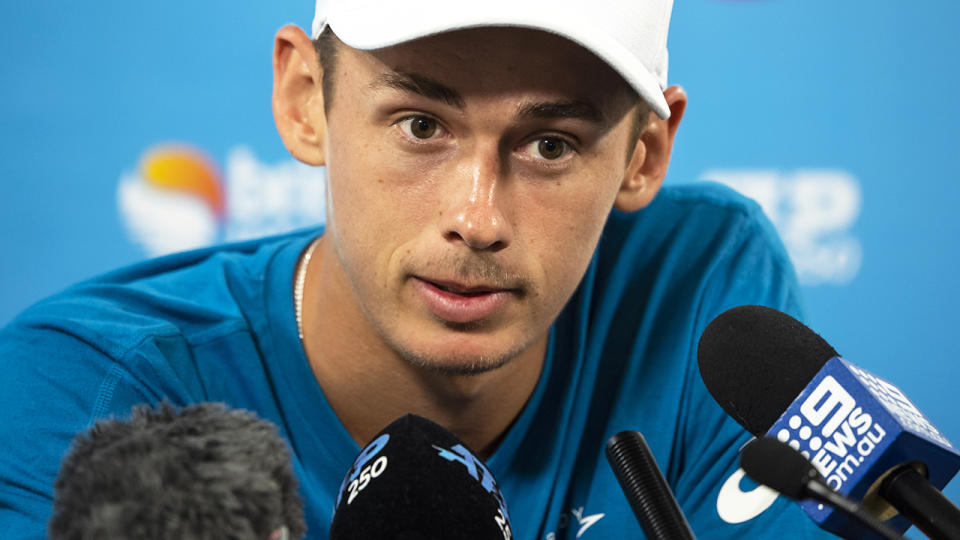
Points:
[(298, 287)]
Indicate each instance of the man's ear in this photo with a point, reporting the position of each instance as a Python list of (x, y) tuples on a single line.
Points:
[(298, 96), (651, 155)]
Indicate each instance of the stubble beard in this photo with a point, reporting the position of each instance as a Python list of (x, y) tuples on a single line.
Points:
[(454, 365), (451, 364), (475, 268)]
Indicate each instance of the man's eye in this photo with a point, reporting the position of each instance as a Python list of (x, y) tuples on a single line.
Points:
[(549, 148), (419, 127)]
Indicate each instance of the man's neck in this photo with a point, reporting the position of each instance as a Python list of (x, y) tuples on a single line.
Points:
[(368, 384)]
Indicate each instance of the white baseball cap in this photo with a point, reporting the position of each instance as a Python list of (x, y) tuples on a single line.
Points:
[(630, 35)]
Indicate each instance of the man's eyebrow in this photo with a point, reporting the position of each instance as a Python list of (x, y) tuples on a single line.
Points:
[(576, 108), (418, 84)]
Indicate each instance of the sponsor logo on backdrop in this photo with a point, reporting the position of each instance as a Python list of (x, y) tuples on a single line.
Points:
[(813, 210), (181, 199)]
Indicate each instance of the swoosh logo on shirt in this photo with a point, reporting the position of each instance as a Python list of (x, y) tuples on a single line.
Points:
[(734, 505)]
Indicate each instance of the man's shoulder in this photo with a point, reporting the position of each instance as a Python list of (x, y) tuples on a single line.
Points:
[(690, 225), (192, 295), (669, 269), (703, 205), (707, 194)]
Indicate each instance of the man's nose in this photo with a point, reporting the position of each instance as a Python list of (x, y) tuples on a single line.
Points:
[(476, 212)]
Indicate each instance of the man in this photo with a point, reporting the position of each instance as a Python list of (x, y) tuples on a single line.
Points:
[(496, 258)]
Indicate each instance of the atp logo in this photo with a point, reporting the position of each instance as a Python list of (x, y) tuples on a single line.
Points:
[(361, 474), (813, 210), (178, 198), (480, 473)]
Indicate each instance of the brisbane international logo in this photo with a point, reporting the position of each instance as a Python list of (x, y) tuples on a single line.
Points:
[(179, 198)]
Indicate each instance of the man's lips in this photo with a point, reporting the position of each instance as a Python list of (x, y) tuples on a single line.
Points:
[(460, 302), (459, 288)]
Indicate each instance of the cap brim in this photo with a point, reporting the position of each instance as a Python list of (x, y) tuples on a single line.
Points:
[(396, 23)]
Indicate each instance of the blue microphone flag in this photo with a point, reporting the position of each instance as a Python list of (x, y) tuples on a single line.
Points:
[(854, 427)]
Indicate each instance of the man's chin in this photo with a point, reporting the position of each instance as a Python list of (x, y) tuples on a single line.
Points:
[(458, 359), (445, 347)]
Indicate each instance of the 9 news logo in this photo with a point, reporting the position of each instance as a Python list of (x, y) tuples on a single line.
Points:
[(834, 430)]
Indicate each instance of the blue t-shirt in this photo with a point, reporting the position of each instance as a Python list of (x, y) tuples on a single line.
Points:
[(218, 325)]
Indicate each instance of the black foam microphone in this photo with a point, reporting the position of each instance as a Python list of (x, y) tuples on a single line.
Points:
[(417, 481), (777, 377), (646, 489), (780, 467), (203, 472)]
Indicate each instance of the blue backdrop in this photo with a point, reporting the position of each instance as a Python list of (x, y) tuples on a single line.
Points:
[(134, 128)]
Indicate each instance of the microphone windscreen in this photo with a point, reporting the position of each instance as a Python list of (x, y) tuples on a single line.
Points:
[(416, 480), (755, 361), (778, 378), (778, 466), (202, 472)]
